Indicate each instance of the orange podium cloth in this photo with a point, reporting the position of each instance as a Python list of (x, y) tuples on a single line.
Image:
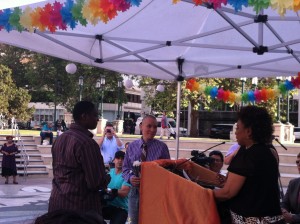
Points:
[(166, 198)]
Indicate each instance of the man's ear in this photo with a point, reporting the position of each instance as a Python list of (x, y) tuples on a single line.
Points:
[(83, 116)]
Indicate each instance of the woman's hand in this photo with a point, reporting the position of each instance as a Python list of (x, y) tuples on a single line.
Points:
[(221, 180)]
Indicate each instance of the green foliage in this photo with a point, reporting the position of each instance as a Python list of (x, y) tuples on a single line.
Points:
[(14, 100), (40, 74)]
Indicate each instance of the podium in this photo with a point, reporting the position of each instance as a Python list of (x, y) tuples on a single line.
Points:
[(168, 198)]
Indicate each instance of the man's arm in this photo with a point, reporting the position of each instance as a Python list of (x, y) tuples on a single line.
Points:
[(118, 141), (93, 166), (127, 166), (124, 191)]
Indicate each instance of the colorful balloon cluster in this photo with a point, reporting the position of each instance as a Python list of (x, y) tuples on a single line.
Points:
[(251, 96), (280, 5), (60, 16)]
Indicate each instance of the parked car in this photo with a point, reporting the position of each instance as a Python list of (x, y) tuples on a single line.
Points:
[(221, 131), (183, 131), (297, 133)]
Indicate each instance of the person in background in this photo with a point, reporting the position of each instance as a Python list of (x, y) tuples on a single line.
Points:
[(232, 151), (9, 167), (47, 131), (252, 180), (146, 148), (164, 126), (116, 210), (63, 125), (290, 205), (109, 143), (78, 168), (217, 164)]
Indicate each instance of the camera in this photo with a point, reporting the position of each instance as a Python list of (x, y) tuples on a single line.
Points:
[(108, 131), (201, 159), (108, 195)]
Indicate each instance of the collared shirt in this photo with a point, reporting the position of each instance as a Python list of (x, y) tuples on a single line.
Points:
[(78, 170), (108, 149), (155, 150)]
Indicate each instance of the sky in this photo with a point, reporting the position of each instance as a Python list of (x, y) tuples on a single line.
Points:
[(5, 4)]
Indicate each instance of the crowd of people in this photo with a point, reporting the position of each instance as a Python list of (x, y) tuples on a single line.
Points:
[(97, 182)]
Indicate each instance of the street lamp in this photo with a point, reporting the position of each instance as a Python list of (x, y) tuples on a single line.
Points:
[(80, 82), (278, 79), (100, 86), (56, 90), (254, 82), (120, 85), (288, 103), (243, 80)]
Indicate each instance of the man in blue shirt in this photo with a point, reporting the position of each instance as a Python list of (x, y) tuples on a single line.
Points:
[(146, 148), (109, 143), (47, 132), (116, 210)]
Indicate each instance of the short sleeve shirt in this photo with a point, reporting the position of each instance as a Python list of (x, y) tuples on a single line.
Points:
[(259, 195)]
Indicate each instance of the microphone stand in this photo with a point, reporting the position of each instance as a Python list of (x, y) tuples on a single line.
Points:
[(279, 176), (213, 147), (276, 139)]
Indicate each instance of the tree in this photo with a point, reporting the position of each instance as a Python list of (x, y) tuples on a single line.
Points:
[(40, 75), (14, 100)]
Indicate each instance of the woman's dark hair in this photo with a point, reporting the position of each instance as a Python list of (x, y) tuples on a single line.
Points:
[(260, 122), (82, 107)]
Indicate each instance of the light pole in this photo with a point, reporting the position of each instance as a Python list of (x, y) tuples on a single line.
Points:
[(57, 89), (278, 79), (80, 82), (120, 84), (288, 103), (100, 86), (243, 80)]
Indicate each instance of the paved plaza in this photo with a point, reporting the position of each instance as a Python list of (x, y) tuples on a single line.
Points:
[(22, 203)]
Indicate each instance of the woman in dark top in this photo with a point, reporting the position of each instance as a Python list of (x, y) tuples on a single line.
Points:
[(9, 168), (252, 181)]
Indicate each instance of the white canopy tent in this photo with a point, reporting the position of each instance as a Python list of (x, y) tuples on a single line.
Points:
[(176, 42), (147, 40)]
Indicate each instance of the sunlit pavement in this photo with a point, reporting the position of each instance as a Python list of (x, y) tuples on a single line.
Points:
[(22, 203)]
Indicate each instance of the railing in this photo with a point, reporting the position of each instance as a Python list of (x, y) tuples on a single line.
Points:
[(23, 154)]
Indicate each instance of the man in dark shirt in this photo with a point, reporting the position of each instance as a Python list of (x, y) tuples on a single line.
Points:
[(78, 167)]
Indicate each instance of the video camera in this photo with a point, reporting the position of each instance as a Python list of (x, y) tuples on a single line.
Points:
[(201, 159), (108, 195)]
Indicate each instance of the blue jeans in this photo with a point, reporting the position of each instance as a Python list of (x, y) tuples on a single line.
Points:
[(46, 134), (133, 205)]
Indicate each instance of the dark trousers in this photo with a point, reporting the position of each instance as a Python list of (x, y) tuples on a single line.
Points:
[(44, 135), (114, 214)]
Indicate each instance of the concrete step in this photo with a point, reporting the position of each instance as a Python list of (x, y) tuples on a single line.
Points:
[(35, 173), (203, 145), (30, 167)]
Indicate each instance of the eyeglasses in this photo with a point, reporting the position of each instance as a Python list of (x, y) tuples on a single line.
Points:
[(297, 162)]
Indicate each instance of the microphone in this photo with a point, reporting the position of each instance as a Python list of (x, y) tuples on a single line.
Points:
[(213, 147), (276, 139)]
